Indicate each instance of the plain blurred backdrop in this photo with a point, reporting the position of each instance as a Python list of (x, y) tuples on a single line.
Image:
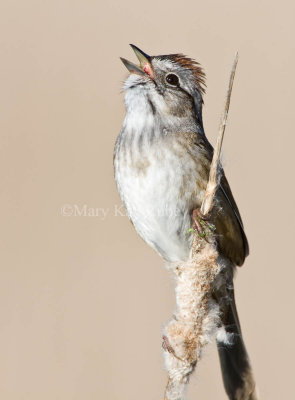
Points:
[(82, 298)]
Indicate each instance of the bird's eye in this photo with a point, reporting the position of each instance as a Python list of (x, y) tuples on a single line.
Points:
[(172, 79)]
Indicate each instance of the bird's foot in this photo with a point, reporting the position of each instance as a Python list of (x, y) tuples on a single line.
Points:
[(201, 225), (167, 346)]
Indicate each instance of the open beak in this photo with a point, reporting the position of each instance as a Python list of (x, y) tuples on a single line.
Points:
[(144, 66)]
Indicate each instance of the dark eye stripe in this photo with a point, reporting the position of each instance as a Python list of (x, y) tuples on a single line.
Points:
[(172, 79)]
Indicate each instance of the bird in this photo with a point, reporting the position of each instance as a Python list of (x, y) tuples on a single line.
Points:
[(162, 160)]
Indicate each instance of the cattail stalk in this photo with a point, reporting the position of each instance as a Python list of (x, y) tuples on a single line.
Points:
[(196, 319)]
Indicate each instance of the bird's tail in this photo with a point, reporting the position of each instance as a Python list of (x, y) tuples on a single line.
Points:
[(235, 365)]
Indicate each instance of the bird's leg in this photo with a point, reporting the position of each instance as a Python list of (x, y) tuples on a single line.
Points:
[(201, 224), (167, 346), (199, 221)]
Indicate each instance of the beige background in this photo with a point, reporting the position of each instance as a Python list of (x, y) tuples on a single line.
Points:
[(82, 299)]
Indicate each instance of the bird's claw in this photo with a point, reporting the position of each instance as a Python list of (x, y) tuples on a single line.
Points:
[(201, 224), (167, 346)]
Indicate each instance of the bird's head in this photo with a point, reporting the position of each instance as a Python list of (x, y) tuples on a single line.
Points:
[(173, 84)]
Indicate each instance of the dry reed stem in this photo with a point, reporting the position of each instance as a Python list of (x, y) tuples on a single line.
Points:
[(196, 319), (207, 203)]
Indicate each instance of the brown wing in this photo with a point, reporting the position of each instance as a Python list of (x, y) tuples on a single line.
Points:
[(232, 239), (225, 215)]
